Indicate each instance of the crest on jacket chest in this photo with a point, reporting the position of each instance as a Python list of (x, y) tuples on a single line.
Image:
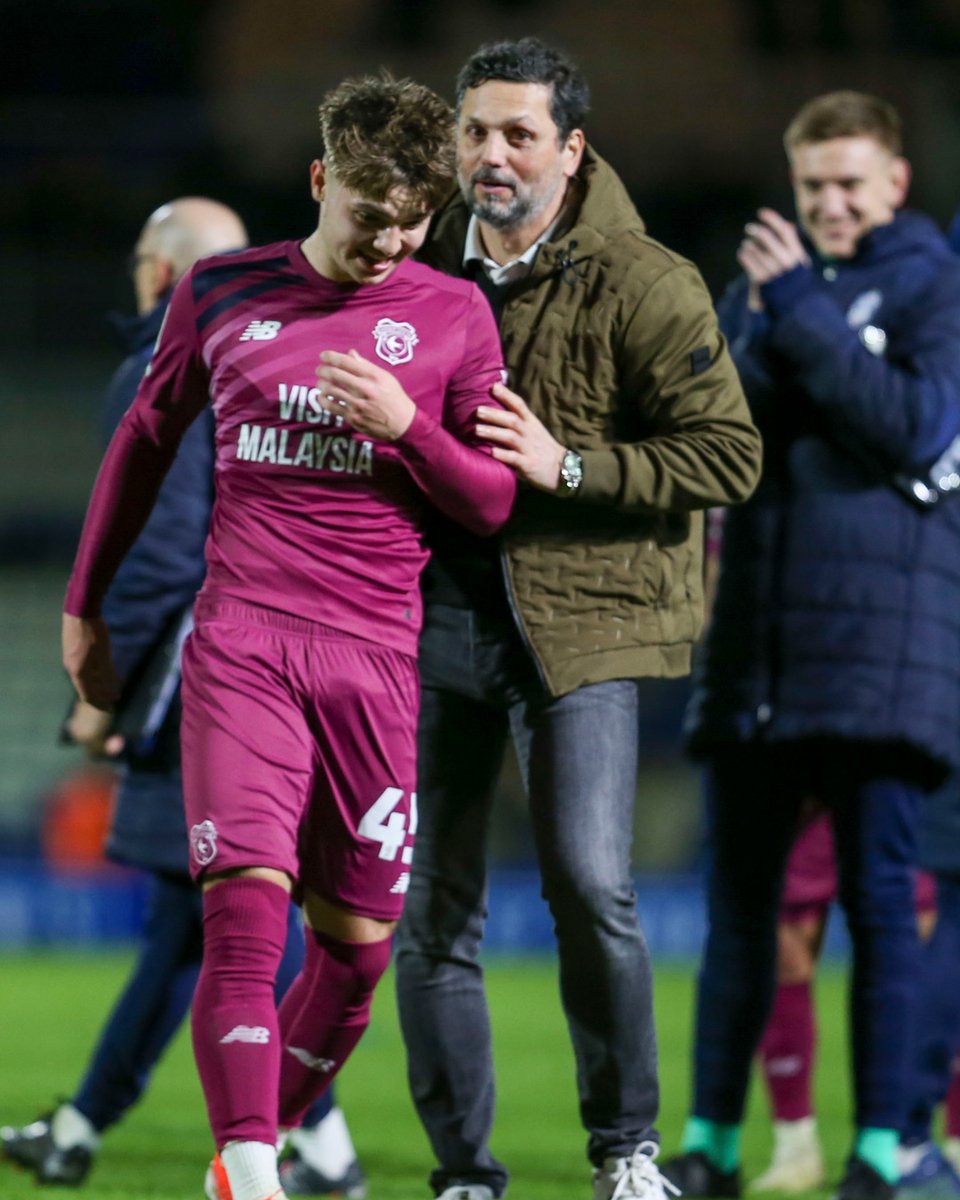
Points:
[(864, 307), (859, 315)]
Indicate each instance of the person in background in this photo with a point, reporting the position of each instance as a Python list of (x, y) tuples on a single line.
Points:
[(927, 1171), (831, 669), (787, 1049), (149, 600), (345, 381), (624, 419)]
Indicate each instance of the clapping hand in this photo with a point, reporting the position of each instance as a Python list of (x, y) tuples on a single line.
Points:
[(770, 248)]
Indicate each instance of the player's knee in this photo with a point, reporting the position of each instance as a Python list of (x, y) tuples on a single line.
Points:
[(358, 965), (244, 932), (340, 923)]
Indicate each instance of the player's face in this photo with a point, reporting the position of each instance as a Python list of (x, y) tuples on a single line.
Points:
[(360, 240), (512, 164), (845, 187)]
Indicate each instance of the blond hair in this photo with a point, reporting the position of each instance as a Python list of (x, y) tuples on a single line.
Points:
[(845, 114)]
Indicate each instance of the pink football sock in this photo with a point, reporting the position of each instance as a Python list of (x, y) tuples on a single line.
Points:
[(787, 1052), (952, 1101), (323, 1016), (234, 1017)]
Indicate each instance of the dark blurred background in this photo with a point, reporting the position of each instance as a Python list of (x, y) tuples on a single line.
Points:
[(111, 107)]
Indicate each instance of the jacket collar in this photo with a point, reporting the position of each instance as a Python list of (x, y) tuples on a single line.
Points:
[(909, 230), (138, 332)]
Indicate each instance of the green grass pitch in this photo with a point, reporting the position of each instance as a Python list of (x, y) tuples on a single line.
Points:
[(52, 1005)]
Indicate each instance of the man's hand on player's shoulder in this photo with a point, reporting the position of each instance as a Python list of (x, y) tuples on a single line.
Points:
[(521, 440)]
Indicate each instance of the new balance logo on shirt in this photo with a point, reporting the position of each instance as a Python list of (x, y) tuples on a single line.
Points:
[(261, 331), (259, 1035)]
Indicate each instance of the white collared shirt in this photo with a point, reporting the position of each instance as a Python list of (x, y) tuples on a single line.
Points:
[(498, 275)]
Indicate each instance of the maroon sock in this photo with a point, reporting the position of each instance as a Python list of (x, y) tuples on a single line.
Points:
[(234, 1016), (323, 1016), (787, 1052), (952, 1102)]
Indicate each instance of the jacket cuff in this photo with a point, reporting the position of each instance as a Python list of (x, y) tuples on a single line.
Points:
[(782, 293), (758, 325), (601, 476)]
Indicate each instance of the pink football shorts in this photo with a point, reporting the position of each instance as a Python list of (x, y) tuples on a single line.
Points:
[(811, 881), (299, 753)]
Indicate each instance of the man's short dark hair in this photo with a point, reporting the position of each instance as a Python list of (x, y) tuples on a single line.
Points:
[(531, 61), (845, 114), (380, 133)]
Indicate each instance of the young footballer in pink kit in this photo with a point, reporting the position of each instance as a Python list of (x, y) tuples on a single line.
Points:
[(300, 686)]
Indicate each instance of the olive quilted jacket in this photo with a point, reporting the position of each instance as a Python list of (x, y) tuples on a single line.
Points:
[(613, 342)]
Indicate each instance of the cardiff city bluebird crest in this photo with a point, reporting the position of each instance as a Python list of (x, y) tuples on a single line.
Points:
[(395, 340), (203, 842), (863, 308)]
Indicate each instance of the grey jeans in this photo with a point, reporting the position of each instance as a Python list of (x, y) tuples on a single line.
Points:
[(578, 757)]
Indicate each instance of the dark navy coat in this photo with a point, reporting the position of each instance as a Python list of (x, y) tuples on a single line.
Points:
[(838, 604), (157, 580), (939, 834)]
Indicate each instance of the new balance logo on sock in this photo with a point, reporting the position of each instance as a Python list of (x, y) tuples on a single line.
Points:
[(324, 1065), (260, 331), (785, 1066), (257, 1034)]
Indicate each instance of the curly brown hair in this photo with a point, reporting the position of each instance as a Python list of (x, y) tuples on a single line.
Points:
[(380, 133)]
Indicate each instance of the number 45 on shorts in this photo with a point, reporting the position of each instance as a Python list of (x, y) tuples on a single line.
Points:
[(382, 823)]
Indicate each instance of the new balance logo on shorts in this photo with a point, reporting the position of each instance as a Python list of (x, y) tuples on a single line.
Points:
[(260, 331), (258, 1035), (402, 885), (324, 1065)]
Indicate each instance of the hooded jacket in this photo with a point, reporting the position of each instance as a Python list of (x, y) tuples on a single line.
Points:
[(838, 602), (613, 342)]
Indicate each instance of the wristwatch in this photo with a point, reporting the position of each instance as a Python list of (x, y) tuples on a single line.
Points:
[(571, 474)]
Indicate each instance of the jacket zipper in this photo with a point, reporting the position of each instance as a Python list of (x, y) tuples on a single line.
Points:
[(518, 620)]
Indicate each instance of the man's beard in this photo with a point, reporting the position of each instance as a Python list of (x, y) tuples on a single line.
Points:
[(496, 213)]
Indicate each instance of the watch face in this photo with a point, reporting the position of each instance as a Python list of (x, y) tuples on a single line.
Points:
[(571, 471)]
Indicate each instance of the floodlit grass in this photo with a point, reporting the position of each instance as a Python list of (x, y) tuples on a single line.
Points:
[(52, 1005)]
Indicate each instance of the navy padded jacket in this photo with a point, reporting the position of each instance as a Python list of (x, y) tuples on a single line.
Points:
[(838, 603)]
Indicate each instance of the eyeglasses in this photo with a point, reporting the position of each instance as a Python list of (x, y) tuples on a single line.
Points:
[(134, 260)]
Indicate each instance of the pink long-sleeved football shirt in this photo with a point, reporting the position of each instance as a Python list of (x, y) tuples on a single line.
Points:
[(310, 517)]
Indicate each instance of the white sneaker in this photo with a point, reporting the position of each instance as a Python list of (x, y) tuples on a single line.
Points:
[(633, 1178), (467, 1191), (797, 1163), (216, 1185)]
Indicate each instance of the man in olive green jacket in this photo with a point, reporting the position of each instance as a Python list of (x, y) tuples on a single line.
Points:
[(626, 423)]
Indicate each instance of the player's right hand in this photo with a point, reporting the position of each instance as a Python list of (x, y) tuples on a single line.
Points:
[(370, 399), (87, 660), (89, 727)]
